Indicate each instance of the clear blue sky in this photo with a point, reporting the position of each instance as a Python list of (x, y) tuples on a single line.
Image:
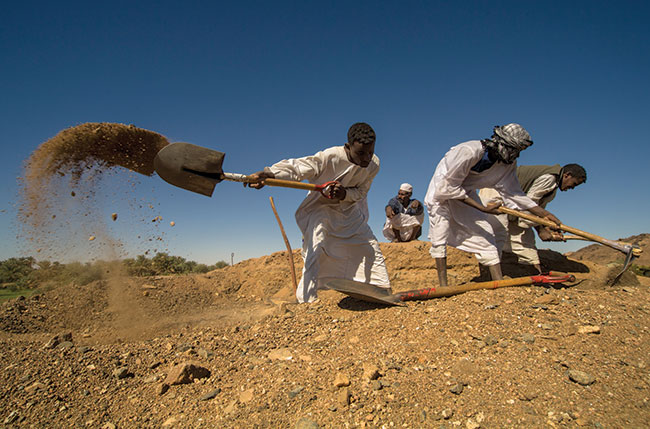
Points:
[(263, 81)]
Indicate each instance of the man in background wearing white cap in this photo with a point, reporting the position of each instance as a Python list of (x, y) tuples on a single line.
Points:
[(404, 216), (456, 216)]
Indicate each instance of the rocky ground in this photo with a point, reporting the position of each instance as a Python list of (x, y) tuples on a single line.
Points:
[(225, 349)]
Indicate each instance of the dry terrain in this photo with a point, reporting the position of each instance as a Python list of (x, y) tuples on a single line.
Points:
[(109, 354)]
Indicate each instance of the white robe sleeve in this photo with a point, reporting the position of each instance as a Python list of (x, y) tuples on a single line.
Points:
[(541, 186), (299, 169), (452, 171), (510, 190), (359, 192)]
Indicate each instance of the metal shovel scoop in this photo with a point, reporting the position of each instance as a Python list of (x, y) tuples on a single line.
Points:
[(198, 169), (371, 293)]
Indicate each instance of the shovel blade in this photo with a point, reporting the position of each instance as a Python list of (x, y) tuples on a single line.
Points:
[(191, 167), (364, 292)]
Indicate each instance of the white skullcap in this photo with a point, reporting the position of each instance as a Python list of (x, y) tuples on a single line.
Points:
[(406, 187)]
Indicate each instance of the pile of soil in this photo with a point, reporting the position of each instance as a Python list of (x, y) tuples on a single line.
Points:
[(100, 355)]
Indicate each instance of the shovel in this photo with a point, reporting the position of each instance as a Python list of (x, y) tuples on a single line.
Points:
[(371, 293), (630, 251), (198, 169)]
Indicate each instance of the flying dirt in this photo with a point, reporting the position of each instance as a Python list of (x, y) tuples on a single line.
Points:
[(62, 197)]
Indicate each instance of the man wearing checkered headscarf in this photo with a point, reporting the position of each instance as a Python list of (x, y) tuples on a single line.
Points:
[(507, 141), (456, 216)]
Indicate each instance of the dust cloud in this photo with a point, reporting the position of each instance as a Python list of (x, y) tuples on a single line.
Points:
[(72, 184), (80, 191)]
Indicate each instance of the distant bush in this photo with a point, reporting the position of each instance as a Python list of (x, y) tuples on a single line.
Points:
[(14, 269), (27, 273), (164, 264)]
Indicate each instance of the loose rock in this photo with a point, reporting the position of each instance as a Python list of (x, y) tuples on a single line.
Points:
[(341, 380), (581, 377), (186, 373), (210, 395)]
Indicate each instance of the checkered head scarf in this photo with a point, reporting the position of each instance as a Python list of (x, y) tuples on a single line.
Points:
[(507, 141)]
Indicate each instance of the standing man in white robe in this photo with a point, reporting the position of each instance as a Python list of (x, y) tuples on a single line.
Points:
[(337, 240), (456, 216)]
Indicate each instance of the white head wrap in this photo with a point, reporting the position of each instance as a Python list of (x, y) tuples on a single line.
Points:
[(406, 187)]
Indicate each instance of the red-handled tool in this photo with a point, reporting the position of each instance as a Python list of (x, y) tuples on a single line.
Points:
[(371, 293), (430, 293)]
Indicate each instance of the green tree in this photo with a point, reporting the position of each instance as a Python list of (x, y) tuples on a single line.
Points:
[(15, 269), (220, 264)]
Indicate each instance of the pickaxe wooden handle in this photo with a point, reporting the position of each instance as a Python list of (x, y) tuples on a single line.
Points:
[(622, 247)]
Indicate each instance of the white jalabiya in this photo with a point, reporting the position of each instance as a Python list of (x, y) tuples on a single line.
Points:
[(454, 223), (337, 241), (404, 223)]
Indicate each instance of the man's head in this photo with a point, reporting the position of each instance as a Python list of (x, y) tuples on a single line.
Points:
[(571, 176), (361, 144), (509, 140), (404, 193)]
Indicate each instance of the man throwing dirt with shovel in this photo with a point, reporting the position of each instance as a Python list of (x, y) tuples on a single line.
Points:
[(456, 217), (337, 241)]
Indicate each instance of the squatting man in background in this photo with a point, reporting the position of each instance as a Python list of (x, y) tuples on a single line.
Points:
[(404, 216), (540, 183), (456, 216), (337, 240)]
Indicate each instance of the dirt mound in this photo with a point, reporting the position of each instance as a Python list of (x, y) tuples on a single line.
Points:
[(133, 307), (512, 357), (409, 265), (605, 255)]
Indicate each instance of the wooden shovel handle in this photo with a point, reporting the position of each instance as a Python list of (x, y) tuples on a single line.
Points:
[(292, 267), (291, 184), (299, 185), (592, 237), (236, 177)]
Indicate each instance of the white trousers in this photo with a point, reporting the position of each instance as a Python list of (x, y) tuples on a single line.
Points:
[(509, 235), (405, 224)]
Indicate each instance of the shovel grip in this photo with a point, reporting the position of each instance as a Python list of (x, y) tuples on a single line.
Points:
[(300, 185), (291, 184)]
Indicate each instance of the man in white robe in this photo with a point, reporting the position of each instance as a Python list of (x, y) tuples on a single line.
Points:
[(404, 216), (337, 240), (456, 216)]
